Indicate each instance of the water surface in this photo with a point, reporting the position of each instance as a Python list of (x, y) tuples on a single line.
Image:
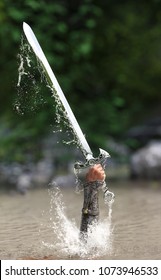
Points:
[(31, 226)]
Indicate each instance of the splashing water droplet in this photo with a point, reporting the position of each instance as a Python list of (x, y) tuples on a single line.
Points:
[(108, 195), (29, 84), (21, 70), (66, 237)]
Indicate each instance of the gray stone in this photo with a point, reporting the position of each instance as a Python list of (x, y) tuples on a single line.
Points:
[(68, 180), (24, 182), (42, 173), (146, 162)]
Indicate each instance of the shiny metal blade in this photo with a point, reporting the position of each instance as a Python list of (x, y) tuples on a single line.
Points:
[(73, 122)]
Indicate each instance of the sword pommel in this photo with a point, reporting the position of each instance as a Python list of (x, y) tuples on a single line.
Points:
[(90, 160)]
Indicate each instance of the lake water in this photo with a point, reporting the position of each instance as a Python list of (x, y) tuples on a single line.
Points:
[(45, 224)]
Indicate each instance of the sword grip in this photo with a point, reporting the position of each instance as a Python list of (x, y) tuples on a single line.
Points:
[(82, 169)]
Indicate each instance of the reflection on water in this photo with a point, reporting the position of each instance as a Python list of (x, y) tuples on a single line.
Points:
[(44, 223)]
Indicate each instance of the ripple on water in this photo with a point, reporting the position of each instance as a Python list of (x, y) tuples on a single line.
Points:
[(27, 226)]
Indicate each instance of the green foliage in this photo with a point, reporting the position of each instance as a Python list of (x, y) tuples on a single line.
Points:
[(106, 55)]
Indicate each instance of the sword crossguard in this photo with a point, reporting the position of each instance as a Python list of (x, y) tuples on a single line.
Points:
[(90, 160)]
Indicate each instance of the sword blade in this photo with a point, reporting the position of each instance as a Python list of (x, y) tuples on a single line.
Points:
[(31, 38)]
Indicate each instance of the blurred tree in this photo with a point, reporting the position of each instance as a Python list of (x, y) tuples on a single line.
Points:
[(106, 55)]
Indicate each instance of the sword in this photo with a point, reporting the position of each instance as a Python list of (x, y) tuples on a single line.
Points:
[(83, 144)]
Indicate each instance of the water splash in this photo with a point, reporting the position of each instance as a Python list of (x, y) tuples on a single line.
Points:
[(108, 195), (66, 233), (67, 241), (29, 97), (61, 119), (32, 80)]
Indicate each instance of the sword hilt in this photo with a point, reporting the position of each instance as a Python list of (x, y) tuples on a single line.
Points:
[(90, 160)]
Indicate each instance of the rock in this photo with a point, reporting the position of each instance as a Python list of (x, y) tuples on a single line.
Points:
[(119, 149), (54, 158), (24, 182), (148, 131), (42, 173), (10, 172), (146, 162), (68, 180)]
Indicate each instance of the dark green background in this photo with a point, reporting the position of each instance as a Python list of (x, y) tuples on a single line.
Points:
[(106, 55)]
